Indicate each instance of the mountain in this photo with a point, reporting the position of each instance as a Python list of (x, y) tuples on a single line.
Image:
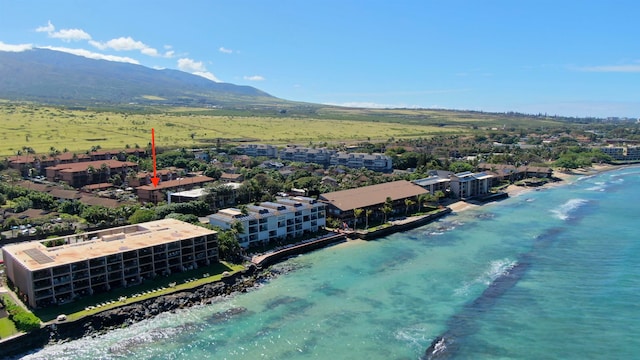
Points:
[(55, 77)]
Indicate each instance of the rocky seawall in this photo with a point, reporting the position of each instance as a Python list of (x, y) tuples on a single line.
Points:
[(128, 314)]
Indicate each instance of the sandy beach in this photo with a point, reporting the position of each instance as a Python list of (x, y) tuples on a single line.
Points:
[(566, 177)]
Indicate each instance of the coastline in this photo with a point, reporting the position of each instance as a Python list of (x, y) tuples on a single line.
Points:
[(564, 178), (251, 278)]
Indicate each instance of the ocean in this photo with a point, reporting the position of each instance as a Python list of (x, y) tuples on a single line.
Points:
[(548, 274)]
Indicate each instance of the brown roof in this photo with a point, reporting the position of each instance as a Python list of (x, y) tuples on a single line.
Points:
[(83, 166), (99, 186), (176, 183), (372, 195), (64, 194), (95, 200)]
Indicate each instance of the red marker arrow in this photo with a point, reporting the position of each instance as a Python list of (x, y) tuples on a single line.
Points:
[(155, 180)]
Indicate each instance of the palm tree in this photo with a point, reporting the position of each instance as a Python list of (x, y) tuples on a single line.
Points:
[(422, 198), (408, 203), (356, 214), (367, 214)]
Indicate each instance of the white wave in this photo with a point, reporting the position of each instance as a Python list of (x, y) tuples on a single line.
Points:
[(496, 269), (416, 335), (564, 211)]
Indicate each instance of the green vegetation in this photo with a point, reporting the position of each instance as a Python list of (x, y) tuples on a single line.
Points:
[(149, 289), (23, 319), (7, 328)]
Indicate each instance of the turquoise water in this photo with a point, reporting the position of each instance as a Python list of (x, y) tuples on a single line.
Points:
[(577, 296)]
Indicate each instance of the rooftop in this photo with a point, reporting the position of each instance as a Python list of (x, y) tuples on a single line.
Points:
[(33, 255), (372, 195)]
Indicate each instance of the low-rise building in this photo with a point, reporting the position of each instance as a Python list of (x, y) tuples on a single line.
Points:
[(341, 204), (155, 194), (437, 181), (89, 172), (47, 273), (268, 221)]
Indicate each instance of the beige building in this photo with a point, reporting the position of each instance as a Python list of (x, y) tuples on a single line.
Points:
[(95, 262)]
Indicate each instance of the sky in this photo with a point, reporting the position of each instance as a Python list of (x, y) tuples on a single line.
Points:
[(563, 57)]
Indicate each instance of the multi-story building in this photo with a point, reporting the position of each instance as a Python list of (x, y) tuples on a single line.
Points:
[(375, 162), (89, 172), (320, 156), (46, 273), (622, 153), (286, 218), (466, 185), (269, 151)]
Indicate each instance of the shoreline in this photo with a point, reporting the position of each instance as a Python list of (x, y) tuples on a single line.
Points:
[(565, 178), (243, 281)]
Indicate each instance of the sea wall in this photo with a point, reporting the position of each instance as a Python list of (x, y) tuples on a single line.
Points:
[(276, 256), (129, 314), (402, 225)]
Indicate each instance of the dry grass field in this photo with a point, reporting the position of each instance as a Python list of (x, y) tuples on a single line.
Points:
[(44, 127)]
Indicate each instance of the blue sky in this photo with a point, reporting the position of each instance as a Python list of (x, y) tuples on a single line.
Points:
[(573, 58)]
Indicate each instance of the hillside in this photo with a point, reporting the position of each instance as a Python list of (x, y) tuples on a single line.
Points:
[(54, 77)]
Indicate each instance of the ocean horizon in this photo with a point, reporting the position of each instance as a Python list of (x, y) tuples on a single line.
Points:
[(550, 274)]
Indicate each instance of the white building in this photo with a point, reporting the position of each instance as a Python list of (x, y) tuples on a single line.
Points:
[(375, 162), (286, 218), (467, 185)]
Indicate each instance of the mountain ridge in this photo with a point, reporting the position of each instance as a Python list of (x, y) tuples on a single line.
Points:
[(56, 77)]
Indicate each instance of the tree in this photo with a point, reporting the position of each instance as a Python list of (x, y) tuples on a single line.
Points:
[(356, 214), (142, 215), (387, 208), (408, 204), (421, 199), (368, 214)]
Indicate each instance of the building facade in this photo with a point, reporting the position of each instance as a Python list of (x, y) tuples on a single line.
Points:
[(286, 218), (96, 262), (466, 185), (375, 162)]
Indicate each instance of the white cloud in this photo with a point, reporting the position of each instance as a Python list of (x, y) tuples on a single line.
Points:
[(15, 48), (254, 78), (48, 28), (169, 54), (196, 68), (629, 68), (225, 50), (93, 55), (207, 75), (66, 35), (127, 44)]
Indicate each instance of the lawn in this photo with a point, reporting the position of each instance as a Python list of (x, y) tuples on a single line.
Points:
[(7, 328), (150, 288)]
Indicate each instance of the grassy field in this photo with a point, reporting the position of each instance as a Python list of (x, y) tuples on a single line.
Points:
[(43, 127)]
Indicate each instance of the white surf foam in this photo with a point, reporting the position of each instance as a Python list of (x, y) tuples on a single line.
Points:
[(495, 269), (563, 212)]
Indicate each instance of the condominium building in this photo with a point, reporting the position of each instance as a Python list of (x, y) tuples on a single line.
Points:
[(467, 185), (46, 273), (286, 218), (375, 162), (320, 156), (269, 151)]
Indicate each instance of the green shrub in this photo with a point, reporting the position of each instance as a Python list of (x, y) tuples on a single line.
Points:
[(23, 319)]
